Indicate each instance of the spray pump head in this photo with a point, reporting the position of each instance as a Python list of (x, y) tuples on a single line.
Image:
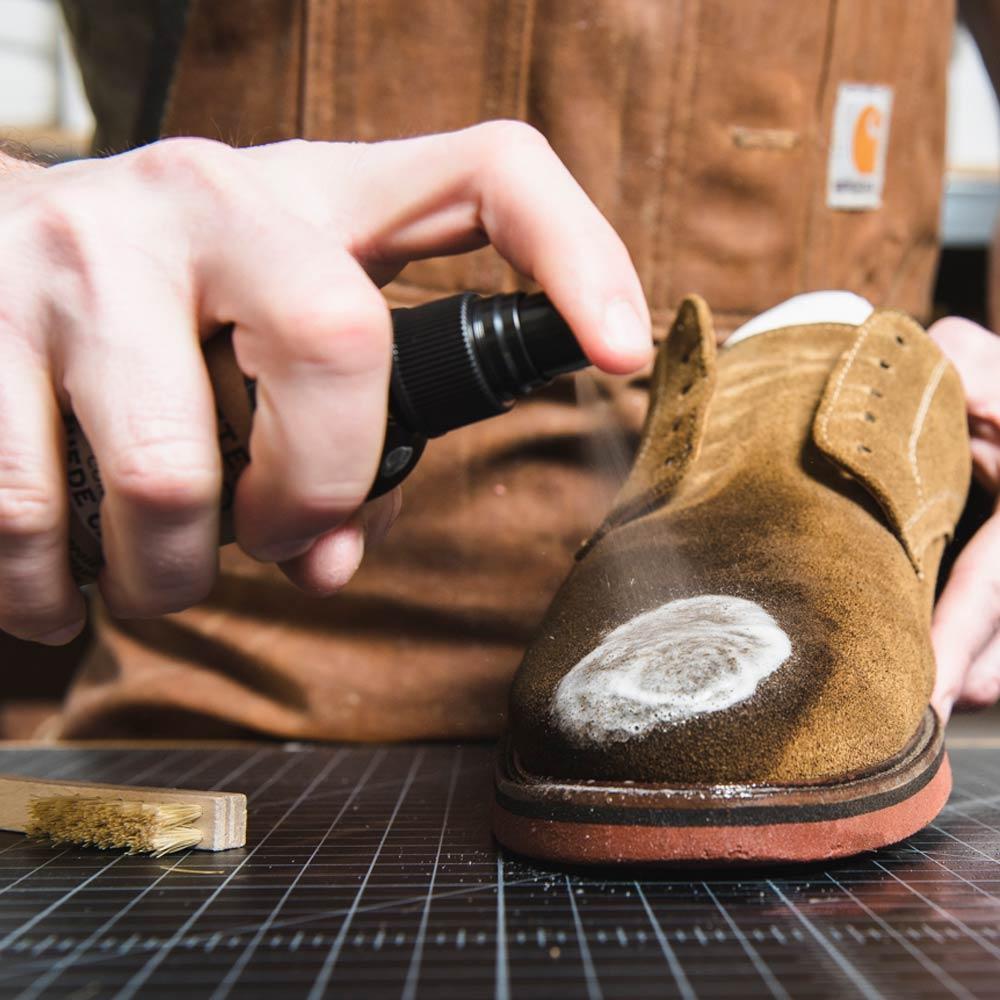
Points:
[(462, 359)]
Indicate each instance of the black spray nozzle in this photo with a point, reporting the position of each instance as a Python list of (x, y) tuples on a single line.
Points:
[(461, 359)]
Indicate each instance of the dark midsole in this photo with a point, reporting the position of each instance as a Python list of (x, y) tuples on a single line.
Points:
[(747, 805)]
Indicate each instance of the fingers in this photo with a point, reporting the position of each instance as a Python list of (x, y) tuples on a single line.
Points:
[(975, 353), (315, 333), (310, 327), (331, 561), (38, 599), (966, 620), (981, 685), (967, 617), (539, 218), (336, 556), (499, 183), (154, 439)]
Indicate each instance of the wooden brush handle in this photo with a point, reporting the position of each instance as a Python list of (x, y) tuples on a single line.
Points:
[(223, 821)]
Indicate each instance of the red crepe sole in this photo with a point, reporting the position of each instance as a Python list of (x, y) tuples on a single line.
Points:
[(595, 823)]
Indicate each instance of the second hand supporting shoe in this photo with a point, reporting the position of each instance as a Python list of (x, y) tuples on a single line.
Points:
[(739, 666)]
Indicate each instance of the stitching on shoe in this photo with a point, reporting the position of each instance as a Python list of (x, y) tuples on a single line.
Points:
[(930, 391), (930, 515), (928, 504), (862, 451), (843, 376)]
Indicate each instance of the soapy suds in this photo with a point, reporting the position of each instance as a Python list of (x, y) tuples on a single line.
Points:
[(686, 658)]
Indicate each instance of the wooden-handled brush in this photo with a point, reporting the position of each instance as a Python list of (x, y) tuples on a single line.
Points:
[(153, 821)]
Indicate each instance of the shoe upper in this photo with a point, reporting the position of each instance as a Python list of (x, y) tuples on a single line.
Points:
[(756, 606)]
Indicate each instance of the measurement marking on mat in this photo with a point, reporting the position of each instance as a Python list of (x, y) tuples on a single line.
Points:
[(842, 962), (593, 986), (680, 977)]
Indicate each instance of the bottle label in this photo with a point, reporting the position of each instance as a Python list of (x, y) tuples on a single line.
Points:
[(85, 495), (234, 413)]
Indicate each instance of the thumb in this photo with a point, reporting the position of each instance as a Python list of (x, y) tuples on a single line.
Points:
[(975, 353), (967, 615)]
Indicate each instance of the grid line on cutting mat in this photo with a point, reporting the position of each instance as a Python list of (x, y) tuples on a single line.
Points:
[(57, 967), (371, 872)]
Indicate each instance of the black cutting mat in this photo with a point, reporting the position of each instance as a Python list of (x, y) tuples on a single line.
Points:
[(371, 872)]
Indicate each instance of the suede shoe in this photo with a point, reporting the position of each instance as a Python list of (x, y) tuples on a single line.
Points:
[(739, 666)]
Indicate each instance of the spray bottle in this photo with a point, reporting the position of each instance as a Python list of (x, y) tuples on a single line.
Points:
[(455, 361)]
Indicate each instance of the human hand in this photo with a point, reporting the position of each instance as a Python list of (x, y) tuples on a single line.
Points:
[(113, 271), (966, 629)]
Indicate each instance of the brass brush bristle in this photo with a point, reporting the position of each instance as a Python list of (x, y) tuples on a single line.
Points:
[(139, 820), (154, 828)]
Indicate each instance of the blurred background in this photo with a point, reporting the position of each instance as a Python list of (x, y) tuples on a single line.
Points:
[(43, 106), (42, 102)]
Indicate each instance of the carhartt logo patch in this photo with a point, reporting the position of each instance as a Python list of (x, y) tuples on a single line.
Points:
[(858, 146)]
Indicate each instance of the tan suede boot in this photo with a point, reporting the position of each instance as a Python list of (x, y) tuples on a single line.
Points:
[(739, 665)]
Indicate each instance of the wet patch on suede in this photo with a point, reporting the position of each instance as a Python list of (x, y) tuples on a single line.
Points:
[(690, 657)]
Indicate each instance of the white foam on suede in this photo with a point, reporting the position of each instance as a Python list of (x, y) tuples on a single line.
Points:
[(804, 310), (686, 658)]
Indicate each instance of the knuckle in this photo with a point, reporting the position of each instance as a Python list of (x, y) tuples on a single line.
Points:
[(347, 334), (167, 477), (206, 163), (329, 506), (33, 605), (510, 133), (61, 232), (162, 597), (514, 147), (322, 507), (54, 216), (295, 147), (58, 232), (150, 581), (27, 511)]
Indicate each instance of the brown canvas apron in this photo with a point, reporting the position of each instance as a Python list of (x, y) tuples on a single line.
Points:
[(703, 131)]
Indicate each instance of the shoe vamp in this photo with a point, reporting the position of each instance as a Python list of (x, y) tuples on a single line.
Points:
[(764, 625)]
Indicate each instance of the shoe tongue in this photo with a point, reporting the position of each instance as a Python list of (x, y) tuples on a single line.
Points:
[(875, 396), (803, 310)]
